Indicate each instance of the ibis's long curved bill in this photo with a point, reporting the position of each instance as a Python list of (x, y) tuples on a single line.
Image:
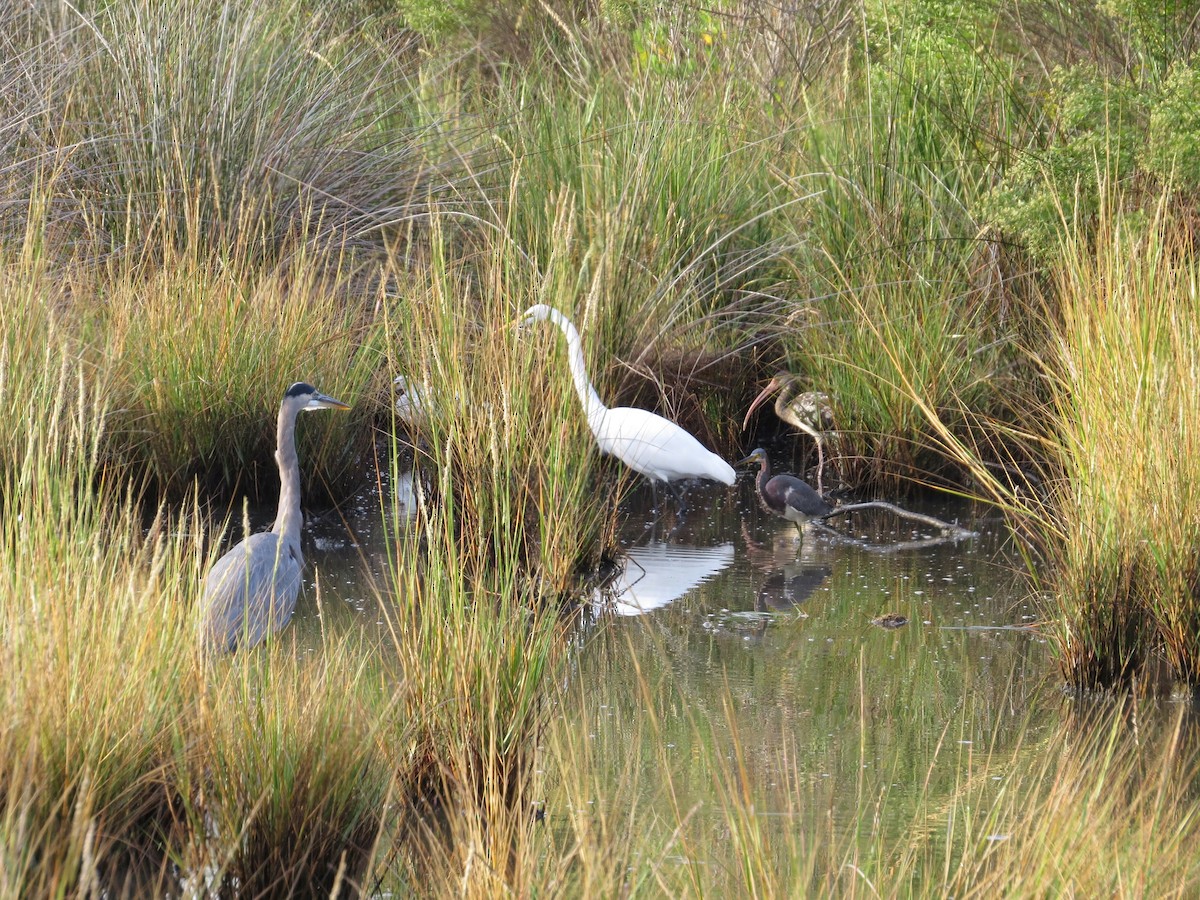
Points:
[(771, 388)]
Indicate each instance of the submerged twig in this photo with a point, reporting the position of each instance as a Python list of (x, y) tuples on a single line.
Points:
[(948, 531), (947, 528)]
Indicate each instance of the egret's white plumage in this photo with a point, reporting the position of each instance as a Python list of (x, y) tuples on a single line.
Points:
[(410, 402), (644, 441)]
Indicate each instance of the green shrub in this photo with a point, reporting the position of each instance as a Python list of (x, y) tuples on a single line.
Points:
[(1101, 127), (1172, 149), (1126, 126)]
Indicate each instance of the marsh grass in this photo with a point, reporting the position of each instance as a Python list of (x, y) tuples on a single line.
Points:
[(1029, 811), (96, 656), (201, 194), (508, 517), (193, 360), (202, 126), (1107, 507), (476, 642), (288, 771), (199, 354), (505, 447), (896, 296), (1126, 407), (631, 194)]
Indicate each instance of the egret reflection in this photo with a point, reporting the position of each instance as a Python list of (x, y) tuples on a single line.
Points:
[(657, 574), (405, 495)]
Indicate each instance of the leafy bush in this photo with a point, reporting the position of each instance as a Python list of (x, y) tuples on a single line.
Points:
[(1172, 150), (1101, 127), (1130, 128)]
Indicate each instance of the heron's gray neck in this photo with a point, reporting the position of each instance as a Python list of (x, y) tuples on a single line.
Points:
[(592, 407), (289, 519)]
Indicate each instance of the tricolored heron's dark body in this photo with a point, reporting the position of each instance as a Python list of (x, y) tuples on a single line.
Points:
[(786, 495)]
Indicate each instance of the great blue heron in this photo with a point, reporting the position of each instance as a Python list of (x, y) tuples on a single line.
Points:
[(786, 495), (807, 410), (251, 591), (644, 441)]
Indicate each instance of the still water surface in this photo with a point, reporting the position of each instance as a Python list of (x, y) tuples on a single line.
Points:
[(736, 639), (726, 637)]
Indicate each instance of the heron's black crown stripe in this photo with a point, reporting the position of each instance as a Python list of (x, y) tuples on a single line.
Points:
[(300, 388)]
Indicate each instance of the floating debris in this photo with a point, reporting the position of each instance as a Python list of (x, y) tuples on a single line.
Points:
[(891, 620)]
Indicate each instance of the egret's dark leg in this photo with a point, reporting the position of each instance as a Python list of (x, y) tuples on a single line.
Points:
[(680, 493)]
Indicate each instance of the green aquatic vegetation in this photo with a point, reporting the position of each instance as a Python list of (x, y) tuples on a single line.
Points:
[(653, 796)]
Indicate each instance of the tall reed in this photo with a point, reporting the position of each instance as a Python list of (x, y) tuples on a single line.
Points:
[(96, 656), (288, 780), (189, 124), (646, 199), (1124, 361)]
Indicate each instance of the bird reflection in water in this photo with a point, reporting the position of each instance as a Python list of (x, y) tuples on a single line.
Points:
[(791, 579), (657, 574)]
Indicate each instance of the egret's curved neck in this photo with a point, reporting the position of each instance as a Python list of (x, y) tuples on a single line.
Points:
[(289, 519), (592, 407)]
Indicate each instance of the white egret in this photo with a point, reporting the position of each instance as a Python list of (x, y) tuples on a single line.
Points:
[(646, 442), (251, 591), (410, 403)]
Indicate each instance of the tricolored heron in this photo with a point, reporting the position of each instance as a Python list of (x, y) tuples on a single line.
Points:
[(644, 441), (786, 495), (251, 591)]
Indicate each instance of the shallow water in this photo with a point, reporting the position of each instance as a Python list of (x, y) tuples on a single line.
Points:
[(726, 636), (755, 644)]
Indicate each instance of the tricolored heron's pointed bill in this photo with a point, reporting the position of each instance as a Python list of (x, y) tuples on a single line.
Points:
[(755, 456)]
